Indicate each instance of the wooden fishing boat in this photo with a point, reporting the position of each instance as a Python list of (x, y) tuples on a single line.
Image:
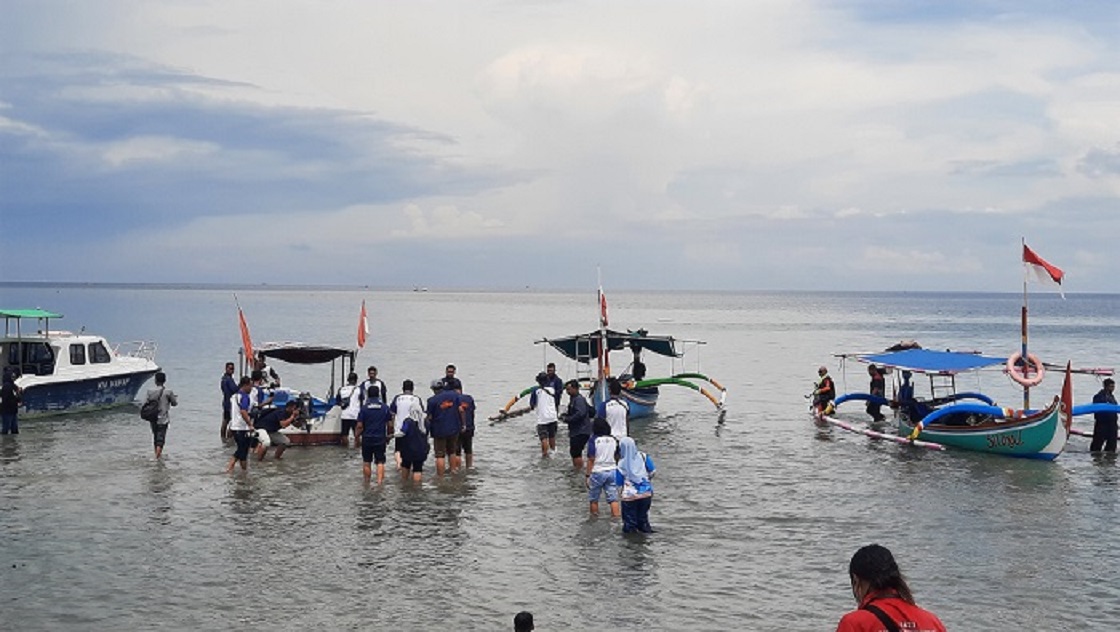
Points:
[(591, 353), (966, 420)]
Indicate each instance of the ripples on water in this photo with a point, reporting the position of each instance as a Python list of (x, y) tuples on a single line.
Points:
[(756, 519)]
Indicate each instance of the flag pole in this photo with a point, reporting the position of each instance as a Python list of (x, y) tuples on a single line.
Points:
[(1023, 333)]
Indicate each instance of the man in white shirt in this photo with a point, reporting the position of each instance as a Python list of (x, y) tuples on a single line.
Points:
[(543, 400), (402, 409), (363, 388), (350, 401), (616, 411)]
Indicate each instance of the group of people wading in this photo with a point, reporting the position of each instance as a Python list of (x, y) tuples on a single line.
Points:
[(614, 467), (444, 422)]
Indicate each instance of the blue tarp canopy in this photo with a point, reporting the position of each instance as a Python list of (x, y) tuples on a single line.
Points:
[(926, 361)]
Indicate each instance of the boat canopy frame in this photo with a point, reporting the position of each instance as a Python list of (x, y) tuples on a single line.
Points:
[(587, 347)]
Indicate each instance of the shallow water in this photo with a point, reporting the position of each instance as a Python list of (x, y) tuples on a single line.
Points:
[(756, 517)]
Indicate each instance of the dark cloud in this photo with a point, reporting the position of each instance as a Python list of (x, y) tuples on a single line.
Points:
[(227, 156), (1100, 163)]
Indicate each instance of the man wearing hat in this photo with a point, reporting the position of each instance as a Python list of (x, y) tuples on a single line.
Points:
[(445, 421), (543, 400)]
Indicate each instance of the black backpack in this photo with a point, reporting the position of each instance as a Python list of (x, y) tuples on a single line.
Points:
[(150, 410)]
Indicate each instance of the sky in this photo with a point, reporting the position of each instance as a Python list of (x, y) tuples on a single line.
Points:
[(492, 144)]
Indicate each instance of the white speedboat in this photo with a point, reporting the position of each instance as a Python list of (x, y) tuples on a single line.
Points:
[(65, 372)]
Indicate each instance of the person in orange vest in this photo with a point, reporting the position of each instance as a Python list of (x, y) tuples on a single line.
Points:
[(824, 393)]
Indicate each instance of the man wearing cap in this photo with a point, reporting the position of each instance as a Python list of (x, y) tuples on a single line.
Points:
[(824, 392), (445, 421), (543, 400)]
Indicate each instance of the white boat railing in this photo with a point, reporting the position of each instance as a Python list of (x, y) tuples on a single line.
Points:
[(145, 349)]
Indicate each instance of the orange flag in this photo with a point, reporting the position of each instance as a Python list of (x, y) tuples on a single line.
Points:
[(246, 340), (1067, 400), (363, 327)]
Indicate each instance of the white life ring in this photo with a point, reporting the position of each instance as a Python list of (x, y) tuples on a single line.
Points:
[(1016, 372)]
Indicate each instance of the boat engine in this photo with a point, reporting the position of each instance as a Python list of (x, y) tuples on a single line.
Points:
[(304, 408)]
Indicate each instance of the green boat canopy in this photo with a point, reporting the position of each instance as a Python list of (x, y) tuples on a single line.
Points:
[(585, 347), (28, 313)]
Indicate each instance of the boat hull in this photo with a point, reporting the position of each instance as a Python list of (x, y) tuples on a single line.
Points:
[(642, 401), (46, 398), (1039, 436)]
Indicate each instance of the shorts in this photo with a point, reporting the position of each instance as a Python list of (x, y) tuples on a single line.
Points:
[(227, 414), (602, 482), (373, 453), (159, 433), (445, 445), (576, 445), (398, 443), (466, 442), (547, 431), (279, 439), (413, 466), (242, 438), (348, 426)]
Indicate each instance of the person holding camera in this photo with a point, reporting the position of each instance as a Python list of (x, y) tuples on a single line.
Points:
[(241, 426), (272, 421)]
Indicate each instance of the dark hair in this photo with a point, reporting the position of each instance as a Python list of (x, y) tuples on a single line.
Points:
[(600, 427), (614, 386), (352, 378), (257, 374), (542, 378), (550, 365), (245, 379), (875, 565), (523, 621), (574, 383), (1109, 381), (372, 368), (373, 392), (450, 366), (407, 385), (161, 378)]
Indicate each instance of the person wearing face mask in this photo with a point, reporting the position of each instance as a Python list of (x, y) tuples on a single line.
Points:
[(884, 598)]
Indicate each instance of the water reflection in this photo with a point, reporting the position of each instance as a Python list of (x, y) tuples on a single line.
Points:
[(159, 488), (10, 452)]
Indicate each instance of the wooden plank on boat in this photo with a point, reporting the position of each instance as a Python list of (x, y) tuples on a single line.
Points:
[(1081, 433), (881, 435)]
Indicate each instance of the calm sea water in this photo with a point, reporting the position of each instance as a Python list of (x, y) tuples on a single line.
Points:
[(756, 517)]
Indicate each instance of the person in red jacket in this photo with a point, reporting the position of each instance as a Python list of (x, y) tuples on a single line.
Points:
[(885, 601)]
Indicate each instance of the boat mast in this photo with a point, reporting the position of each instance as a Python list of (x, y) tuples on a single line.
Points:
[(603, 361), (1023, 335)]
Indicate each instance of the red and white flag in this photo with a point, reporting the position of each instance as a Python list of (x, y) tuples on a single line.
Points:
[(1046, 272), (602, 309), (363, 327), (246, 340)]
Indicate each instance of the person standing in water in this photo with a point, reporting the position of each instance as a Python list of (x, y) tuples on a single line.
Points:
[(166, 399), (578, 419), (229, 387), (635, 469), (884, 598), (543, 400), (878, 388)]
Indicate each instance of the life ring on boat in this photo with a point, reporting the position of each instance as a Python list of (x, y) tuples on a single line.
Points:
[(1016, 371)]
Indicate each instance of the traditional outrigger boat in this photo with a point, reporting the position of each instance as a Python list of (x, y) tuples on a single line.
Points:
[(972, 420), (65, 372), (966, 420), (591, 353)]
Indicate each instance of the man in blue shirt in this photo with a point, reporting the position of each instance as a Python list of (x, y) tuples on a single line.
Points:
[(374, 426), (466, 437), (445, 421), (1104, 424), (229, 387), (554, 382), (578, 419)]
